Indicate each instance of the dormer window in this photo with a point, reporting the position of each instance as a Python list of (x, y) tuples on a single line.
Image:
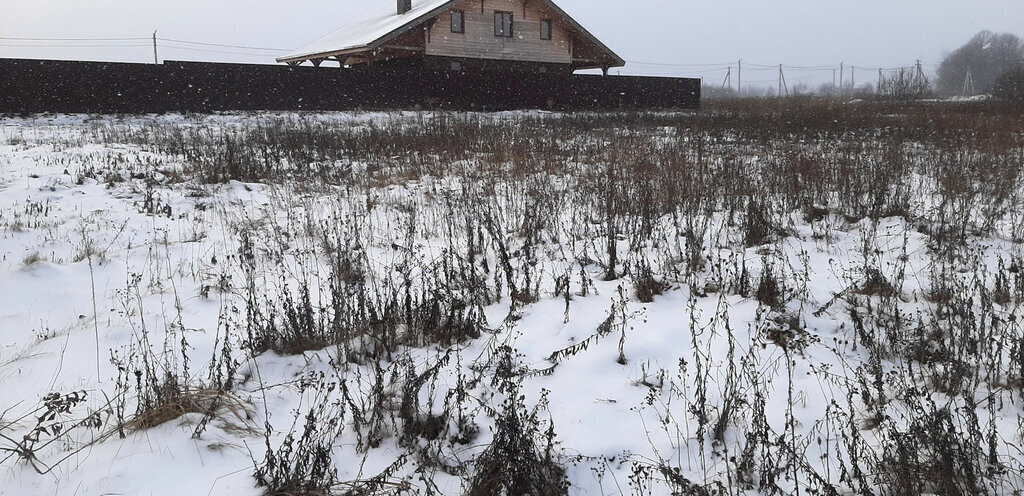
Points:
[(458, 21), (503, 24), (545, 29)]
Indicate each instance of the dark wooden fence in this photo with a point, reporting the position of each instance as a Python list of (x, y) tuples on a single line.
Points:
[(28, 86)]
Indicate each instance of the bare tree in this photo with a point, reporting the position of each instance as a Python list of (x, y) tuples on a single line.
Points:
[(1010, 86), (904, 85)]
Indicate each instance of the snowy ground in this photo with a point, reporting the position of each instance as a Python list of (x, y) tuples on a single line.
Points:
[(107, 258)]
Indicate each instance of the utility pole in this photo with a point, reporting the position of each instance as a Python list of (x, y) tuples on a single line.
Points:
[(853, 78), (780, 80), (156, 60), (968, 83), (739, 79), (782, 76), (920, 73), (841, 77), (728, 79), (879, 80)]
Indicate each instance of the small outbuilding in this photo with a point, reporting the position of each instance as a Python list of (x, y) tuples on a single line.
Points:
[(465, 35)]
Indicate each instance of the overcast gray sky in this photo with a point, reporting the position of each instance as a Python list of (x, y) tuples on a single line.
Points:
[(680, 34)]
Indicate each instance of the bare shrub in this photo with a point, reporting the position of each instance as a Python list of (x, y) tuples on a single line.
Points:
[(302, 464), (904, 85), (521, 458)]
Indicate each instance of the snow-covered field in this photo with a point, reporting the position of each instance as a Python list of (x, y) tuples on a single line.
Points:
[(420, 303)]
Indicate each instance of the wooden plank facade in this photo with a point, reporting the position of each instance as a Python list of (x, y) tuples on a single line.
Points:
[(521, 35), (479, 41)]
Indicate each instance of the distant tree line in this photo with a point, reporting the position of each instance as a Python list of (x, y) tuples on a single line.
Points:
[(1010, 86), (988, 62)]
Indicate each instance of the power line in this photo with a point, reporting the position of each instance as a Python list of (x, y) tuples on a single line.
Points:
[(772, 67), (661, 64), (73, 39), (718, 66), (194, 46), (172, 47), (73, 46), (811, 67), (130, 39), (705, 71), (224, 46)]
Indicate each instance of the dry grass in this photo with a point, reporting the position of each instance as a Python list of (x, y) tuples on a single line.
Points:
[(224, 405), (32, 259)]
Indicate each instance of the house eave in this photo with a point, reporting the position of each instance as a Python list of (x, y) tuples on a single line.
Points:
[(405, 28), (323, 55)]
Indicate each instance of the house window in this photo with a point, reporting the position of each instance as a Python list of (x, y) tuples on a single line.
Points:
[(545, 29), (503, 24), (458, 21)]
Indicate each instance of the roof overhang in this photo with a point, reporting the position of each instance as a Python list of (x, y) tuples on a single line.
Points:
[(412, 23)]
